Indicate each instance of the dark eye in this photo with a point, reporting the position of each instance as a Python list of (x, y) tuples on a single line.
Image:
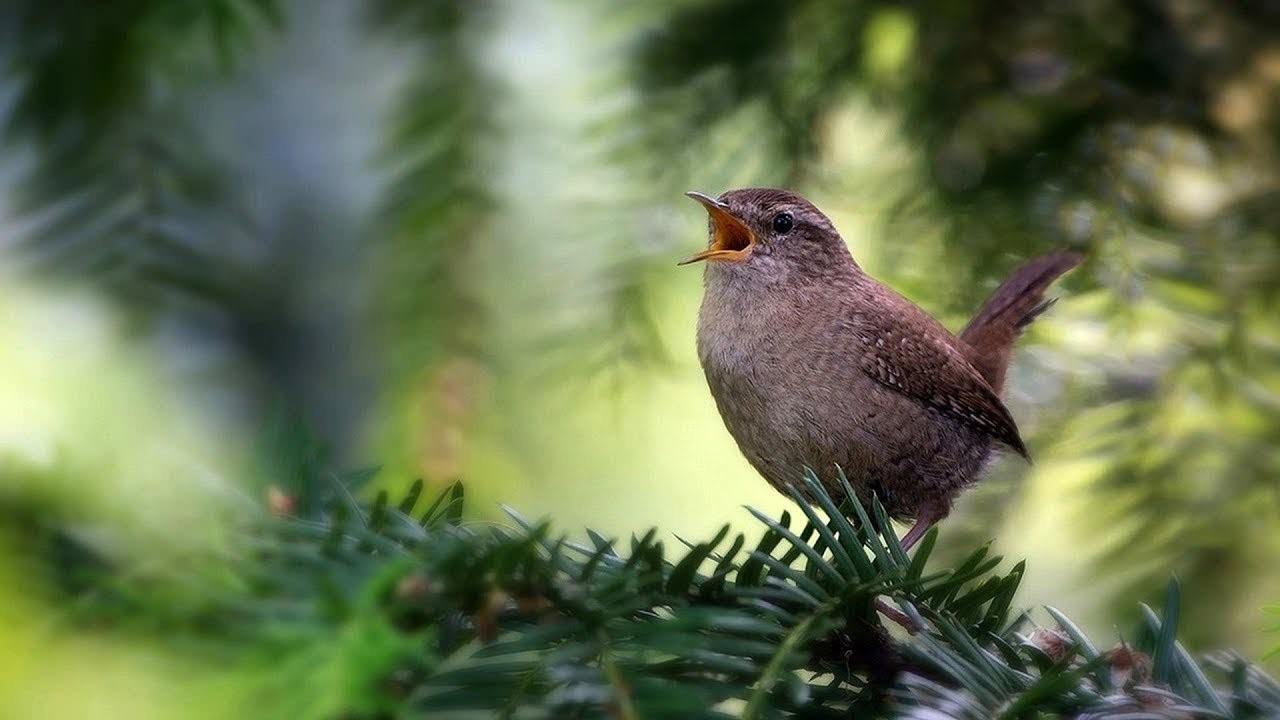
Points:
[(782, 223)]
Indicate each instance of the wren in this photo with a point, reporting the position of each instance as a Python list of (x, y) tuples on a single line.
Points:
[(813, 363)]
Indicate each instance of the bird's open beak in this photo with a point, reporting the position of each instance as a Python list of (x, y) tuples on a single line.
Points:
[(731, 239)]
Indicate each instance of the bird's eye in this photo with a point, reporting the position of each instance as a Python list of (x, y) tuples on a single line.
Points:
[(782, 223)]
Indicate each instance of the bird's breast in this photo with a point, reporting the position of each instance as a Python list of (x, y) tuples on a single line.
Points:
[(776, 367)]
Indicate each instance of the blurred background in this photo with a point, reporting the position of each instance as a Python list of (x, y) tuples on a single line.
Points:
[(440, 238)]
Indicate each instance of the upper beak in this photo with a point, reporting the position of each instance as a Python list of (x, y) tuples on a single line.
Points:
[(731, 239)]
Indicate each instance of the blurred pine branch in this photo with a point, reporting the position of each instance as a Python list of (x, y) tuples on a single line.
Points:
[(120, 187), (437, 212)]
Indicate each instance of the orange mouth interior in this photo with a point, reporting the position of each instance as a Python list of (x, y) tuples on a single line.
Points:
[(731, 239)]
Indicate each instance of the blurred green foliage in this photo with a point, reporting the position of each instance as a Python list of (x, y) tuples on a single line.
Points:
[(441, 234)]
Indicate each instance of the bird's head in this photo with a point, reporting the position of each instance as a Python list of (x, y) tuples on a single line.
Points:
[(769, 235)]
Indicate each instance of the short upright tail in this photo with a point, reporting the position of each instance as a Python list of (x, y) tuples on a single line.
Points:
[(1018, 300)]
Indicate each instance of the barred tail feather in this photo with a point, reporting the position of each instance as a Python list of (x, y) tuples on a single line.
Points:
[(989, 337)]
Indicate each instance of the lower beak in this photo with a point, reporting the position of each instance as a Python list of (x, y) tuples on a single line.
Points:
[(731, 239)]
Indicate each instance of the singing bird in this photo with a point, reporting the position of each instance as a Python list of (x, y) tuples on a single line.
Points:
[(813, 362)]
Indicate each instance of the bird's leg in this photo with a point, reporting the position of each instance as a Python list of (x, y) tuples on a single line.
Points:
[(896, 615), (916, 532), (929, 514)]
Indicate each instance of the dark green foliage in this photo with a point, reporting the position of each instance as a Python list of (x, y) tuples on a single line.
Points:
[(519, 622), (87, 66), (121, 185)]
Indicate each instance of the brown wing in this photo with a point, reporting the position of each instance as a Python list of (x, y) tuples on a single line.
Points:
[(908, 352)]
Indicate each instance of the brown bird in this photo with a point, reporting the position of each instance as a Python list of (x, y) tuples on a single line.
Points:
[(812, 362)]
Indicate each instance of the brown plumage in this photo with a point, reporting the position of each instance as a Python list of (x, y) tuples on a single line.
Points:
[(814, 363)]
